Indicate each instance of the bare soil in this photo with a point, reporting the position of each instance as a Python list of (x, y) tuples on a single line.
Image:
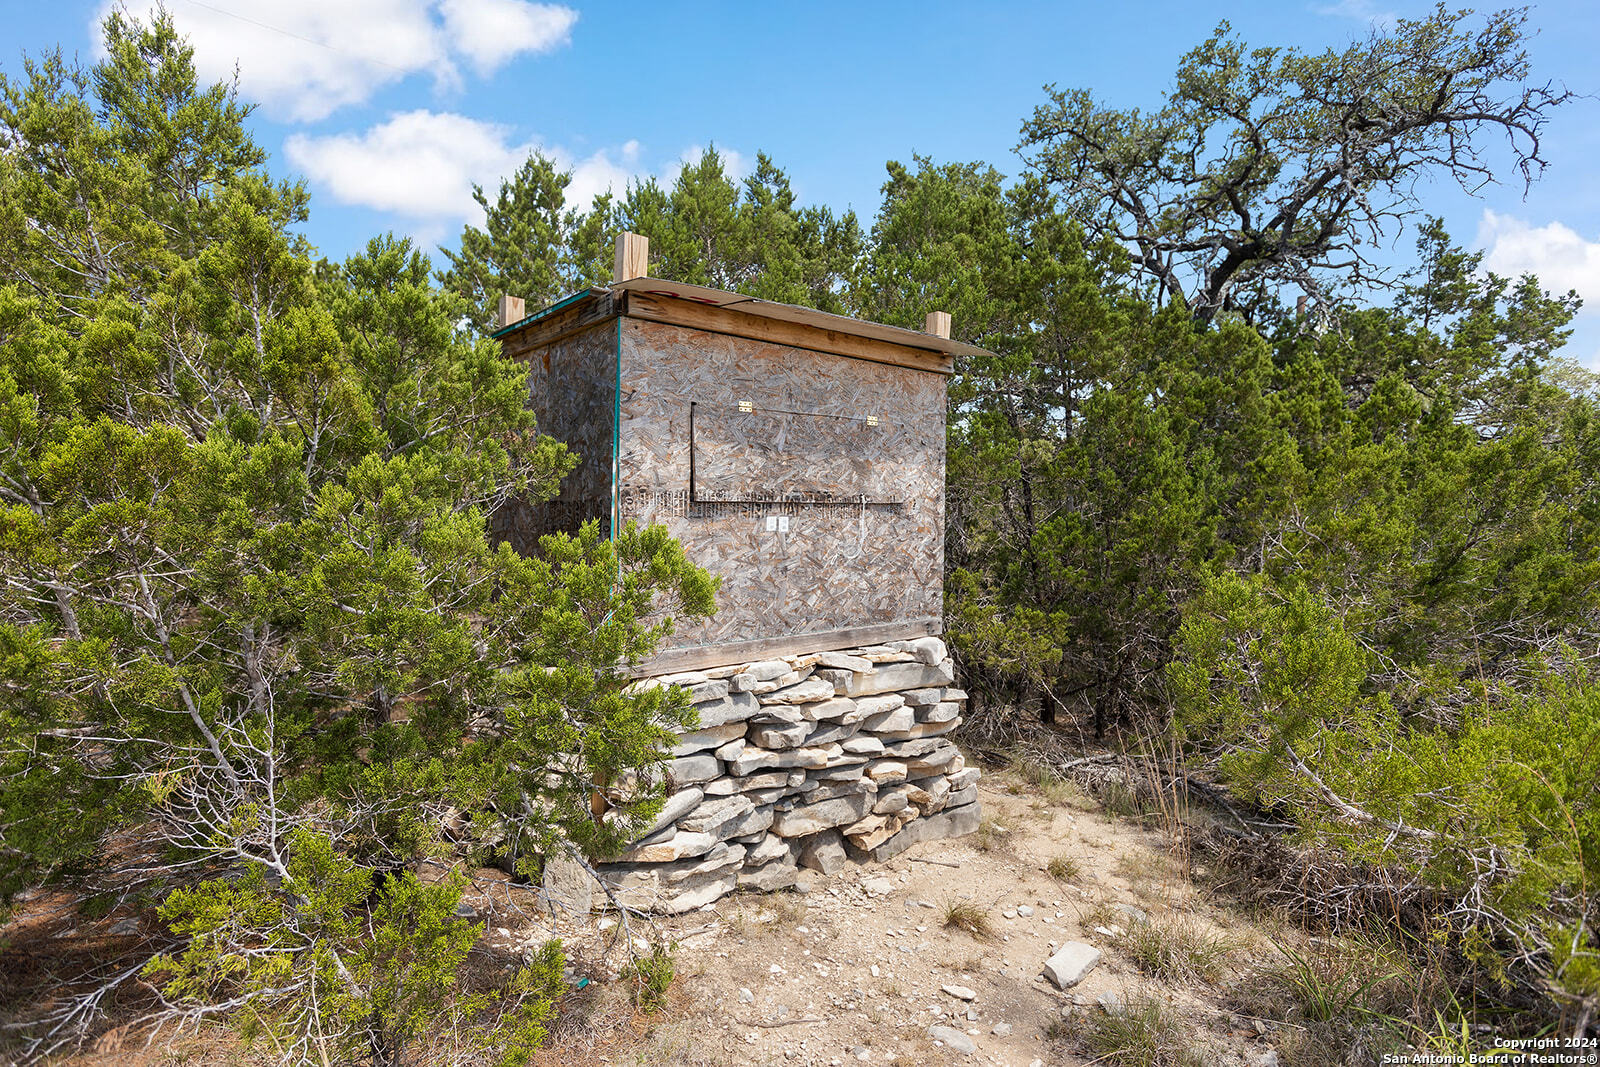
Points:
[(850, 973), (857, 968)]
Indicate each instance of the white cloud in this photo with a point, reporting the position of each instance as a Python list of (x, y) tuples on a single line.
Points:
[(489, 32), (734, 165), (305, 59), (1556, 253), (1362, 11), (422, 165), (598, 173)]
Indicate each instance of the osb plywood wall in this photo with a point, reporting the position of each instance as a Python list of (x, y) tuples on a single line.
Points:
[(850, 452), (571, 389)]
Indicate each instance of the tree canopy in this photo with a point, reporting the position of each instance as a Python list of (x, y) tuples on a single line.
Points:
[(251, 614), (1269, 168)]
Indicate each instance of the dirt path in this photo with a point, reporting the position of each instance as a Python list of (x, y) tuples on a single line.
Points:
[(858, 968)]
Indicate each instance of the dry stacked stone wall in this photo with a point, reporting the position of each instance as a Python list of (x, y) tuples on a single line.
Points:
[(806, 761)]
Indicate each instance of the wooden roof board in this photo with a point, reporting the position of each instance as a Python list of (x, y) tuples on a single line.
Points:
[(834, 336)]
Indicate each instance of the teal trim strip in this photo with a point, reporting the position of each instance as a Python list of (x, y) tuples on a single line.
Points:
[(616, 439), (537, 315)]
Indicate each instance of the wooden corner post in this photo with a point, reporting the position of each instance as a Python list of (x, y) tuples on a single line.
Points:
[(633, 257), (512, 309), (938, 324)]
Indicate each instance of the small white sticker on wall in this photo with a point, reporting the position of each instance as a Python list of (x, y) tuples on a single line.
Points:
[(772, 523), (783, 524)]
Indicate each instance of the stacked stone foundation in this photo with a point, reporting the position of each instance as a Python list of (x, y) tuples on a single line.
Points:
[(807, 761)]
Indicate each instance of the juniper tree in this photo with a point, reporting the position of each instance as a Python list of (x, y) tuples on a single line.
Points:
[(251, 619)]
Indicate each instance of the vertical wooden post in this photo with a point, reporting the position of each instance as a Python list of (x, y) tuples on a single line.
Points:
[(512, 309), (938, 324), (633, 257)]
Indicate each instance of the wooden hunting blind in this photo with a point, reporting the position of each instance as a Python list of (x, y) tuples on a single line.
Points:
[(796, 454)]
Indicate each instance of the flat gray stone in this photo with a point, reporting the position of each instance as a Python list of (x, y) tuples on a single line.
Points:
[(1071, 964), (708, 737), (824, 853), (686, 770), (963, 778), (808, 691), (892, 677), (757, 821), (826, 733), (720, 858), (844, 662), (711, 689), (933, 762), (673, 845), (568, 886), (901, 718), (788, 735), (760, 759), (675, 807), (771, 847), (715, 815), (736, 707), (877, 705), (836, 709), (952, 822), (863, 745), (763, 780), (890, 802), (930, 650), (953, 1039), (829, 790), (813, 818), (907, 749), (766, 670), (969, 795), (775, 875)]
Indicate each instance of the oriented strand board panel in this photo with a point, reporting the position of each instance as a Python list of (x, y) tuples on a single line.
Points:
[(572, 391), (747, 451), (846, 454)]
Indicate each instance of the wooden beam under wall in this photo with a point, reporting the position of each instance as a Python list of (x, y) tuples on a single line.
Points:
[(563, 323), (693, 659), (642, 305)]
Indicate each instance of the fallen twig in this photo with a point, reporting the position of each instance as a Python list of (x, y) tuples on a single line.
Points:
[(780, 1022), (942, 863)]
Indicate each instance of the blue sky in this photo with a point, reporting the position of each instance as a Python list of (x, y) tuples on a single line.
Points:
[(390, 109)]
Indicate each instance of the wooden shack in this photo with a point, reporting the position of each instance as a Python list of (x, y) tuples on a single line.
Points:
[(796, 454)]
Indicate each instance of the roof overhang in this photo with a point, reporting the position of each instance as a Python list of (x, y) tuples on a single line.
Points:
[(697, 306)]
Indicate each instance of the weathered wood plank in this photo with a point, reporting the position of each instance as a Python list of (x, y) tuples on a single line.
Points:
[(694, 659), (592, 309), (633, 257), (730, 321)]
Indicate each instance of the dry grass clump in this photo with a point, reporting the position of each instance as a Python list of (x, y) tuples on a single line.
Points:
[(1177, 951), (973, 918), (991, 837), (1142, 1032), (1064, 868), (1346, 1000)]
